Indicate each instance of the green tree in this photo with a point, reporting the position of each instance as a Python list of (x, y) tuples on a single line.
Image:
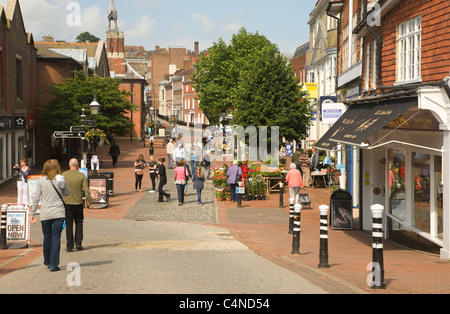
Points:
[(87, 37), (77, 93), (252, 80)]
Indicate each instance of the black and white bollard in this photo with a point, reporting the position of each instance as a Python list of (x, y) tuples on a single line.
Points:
[(3, 228), (291, 215), (323, 255), (377, 247), (296, 237)]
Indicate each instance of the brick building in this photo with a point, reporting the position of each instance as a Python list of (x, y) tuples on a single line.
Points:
[(131, 74), (394, 75), (17, 91)]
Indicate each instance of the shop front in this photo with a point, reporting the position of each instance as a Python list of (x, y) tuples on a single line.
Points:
[(404, 145)]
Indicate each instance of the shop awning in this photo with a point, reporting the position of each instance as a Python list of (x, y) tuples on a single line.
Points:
[(361, 121)]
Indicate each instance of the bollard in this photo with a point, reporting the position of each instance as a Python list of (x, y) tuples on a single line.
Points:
[(3, 228), (377, 247), (297, 220), (323, 255), (281, 194), (291, 215)]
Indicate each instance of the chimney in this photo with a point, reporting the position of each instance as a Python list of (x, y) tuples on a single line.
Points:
[(196, 48)]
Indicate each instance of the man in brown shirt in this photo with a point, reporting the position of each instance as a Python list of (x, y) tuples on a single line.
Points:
[(78, 184), (305, 164)]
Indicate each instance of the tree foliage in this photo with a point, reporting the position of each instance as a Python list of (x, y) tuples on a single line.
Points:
[(87, 37), (252, 80), (77, 93)]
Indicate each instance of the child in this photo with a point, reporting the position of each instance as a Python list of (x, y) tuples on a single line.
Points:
[(198, 183)]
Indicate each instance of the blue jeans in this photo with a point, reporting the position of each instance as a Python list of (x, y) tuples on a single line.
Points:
[(180, 192), (199, 195), (234, 196), (52, 230)]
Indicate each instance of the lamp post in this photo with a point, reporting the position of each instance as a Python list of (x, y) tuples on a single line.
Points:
[(83, 124), (95, 109)]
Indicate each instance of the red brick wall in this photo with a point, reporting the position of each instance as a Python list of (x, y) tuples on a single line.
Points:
[(50, 73), (435, 38), (138, 101)]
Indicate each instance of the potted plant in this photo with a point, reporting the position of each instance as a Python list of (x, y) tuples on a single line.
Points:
[(96, 135), (219, 195), (227, 194)]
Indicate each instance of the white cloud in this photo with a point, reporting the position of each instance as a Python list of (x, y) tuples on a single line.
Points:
[(207, 24), (143, 28)]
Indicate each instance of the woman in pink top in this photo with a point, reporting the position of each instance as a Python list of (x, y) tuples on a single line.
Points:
[(294, 179), (181, 176)]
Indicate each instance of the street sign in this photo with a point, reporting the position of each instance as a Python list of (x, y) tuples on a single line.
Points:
[(68, 134), (90, 123), (77, 129)]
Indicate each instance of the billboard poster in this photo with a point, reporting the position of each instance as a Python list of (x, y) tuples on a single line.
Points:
[(341, 210), (98, 190)]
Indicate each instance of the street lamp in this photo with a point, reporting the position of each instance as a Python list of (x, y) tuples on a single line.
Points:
[(152, 111), (95, 107)]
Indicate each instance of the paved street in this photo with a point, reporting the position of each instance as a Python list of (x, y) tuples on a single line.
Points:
[(137, 245), (157, 257)]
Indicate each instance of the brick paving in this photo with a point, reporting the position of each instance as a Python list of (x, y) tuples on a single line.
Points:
[(263, 227)]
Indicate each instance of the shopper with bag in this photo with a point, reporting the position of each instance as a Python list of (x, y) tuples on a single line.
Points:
[(181, 175), (139, 166), (50, 189)]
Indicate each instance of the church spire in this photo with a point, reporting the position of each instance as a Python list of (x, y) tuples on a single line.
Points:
[(112, 17)]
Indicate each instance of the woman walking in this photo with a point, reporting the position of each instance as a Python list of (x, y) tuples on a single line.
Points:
[(181, 176), (199, 180), (152, 168), (139, 166), (161, 172), (50, 189), (22, 181)]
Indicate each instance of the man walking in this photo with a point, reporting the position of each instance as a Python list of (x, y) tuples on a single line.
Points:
[(114, 152), (78, 184)]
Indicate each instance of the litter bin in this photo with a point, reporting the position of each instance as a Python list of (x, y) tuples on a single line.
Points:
[(98, 190), (109, 182)]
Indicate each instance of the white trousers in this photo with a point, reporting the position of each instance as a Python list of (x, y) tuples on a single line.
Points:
[(22, 192)]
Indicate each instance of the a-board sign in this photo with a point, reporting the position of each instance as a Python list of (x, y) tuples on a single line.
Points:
[(18, 223), (98, 191), (341, 210)]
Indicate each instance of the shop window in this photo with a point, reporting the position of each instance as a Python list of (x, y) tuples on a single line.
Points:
[(439, 187), (397, 179), (421, 171)]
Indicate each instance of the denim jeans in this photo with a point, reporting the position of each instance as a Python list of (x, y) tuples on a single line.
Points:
[(199, 195), (52, 230), (180, 192), (234, 196)]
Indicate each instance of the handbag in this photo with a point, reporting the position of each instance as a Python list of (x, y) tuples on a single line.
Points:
[(140, 172), (182, 182)]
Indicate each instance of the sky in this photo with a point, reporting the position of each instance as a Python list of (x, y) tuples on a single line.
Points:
[(172, 23)]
